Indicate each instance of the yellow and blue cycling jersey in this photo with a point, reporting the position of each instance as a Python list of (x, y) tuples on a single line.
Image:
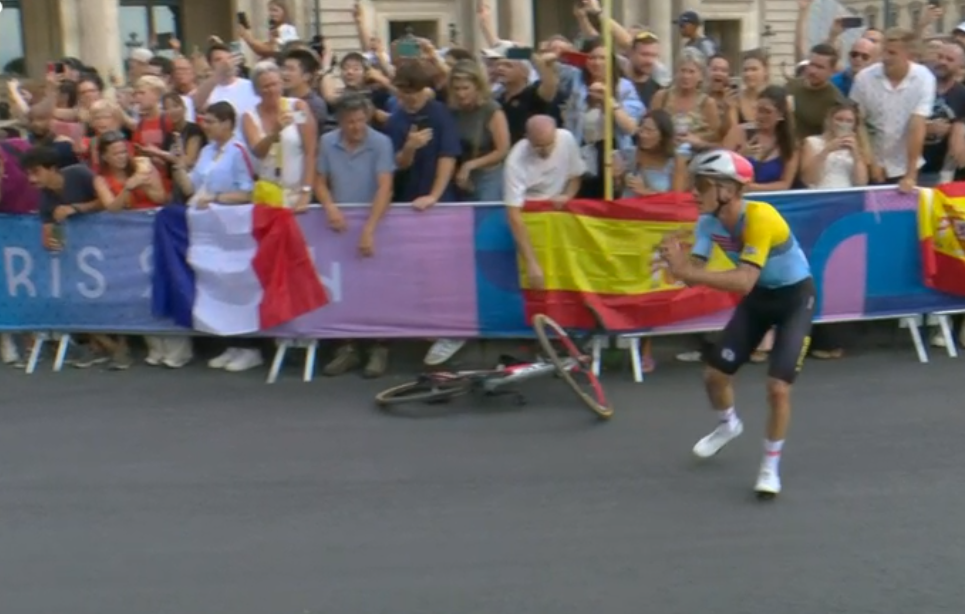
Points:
[(762, 239)]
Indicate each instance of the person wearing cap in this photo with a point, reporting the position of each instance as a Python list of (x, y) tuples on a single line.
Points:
[(689, 23), (139, 64)]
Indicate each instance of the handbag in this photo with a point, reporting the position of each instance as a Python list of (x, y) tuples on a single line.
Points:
[(268, 192)]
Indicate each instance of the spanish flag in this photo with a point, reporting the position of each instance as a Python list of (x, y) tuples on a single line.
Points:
[(941, 231), (607, 254)]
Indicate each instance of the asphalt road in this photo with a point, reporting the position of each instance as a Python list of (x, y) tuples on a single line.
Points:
[(205, 492)]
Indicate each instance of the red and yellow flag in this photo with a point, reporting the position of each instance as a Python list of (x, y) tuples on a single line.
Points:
[(607, 254), (941, 231)]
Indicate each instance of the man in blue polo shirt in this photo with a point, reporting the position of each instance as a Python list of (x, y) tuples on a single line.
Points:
[(863, 53), (355, 166), (425, 138)]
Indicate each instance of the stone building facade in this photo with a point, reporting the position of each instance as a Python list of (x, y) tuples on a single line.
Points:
[(102, 31)]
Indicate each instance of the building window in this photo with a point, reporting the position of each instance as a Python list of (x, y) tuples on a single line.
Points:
[(11, 39), (892, 18), (961, 13), (142, 21), (871, 17), (914, 10)]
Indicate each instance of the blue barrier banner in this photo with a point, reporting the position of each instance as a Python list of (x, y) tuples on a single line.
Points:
[(449, 271)]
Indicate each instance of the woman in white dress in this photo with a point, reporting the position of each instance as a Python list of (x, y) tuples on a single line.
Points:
[(837, 158), (283, 137)]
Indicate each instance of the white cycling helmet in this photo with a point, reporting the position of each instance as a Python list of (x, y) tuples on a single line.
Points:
[(722, 164)]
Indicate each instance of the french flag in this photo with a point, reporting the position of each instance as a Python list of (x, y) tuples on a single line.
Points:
[(232, 269)]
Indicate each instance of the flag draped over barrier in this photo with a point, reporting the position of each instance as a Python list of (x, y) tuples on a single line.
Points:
[(941, 229), (449, 272), (606, 254), (232, 270)]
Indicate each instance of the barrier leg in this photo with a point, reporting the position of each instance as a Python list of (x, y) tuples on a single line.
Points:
[(636, 360), (62, 346), (945, 324), (912, 324), (310, 353), (597, 352), (38, 346), (277, 361)]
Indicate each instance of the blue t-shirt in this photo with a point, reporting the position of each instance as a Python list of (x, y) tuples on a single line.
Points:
[(417, 180), (762, 239)]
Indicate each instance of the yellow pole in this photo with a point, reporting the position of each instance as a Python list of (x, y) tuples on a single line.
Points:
[(605, 18)]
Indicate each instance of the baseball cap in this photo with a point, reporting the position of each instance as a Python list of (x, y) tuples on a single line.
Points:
[(142, 55), (960, 27), (688, 17), (498, 51)]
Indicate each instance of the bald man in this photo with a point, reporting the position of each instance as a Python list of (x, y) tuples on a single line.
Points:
[(547, 166), (864, 52)]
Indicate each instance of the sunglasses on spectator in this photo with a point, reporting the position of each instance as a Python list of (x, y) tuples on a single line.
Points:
[(646, 37), (114, 136), (857, 55)]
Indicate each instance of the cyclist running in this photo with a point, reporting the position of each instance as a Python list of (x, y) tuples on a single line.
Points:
[(775, 278)]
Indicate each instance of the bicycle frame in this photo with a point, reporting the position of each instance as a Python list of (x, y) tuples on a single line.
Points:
[(490, 381)]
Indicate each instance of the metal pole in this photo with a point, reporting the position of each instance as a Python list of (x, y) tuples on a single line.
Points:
[(318, 17), (605, 18)]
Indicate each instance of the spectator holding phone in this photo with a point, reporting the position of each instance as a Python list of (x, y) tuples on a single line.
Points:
[(64, 192), (280, 30), (838, 158), (282, 135)]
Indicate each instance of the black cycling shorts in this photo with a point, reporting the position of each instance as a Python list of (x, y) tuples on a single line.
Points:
[(789, 310)]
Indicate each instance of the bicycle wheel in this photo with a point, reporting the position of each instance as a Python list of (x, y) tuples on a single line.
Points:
[(548, 331), (424, 390)]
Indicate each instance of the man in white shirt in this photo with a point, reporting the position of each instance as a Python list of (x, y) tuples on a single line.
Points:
[(896, 97), (546, 165), (224, 84)]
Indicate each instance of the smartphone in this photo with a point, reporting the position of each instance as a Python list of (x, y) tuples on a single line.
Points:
[(164, 41), (409, 49), (51, 68), (243, 20), (574, 59), (519, 53), (59, 68), (735, 83), (750, 130), (851, 22), (58, 235), (235, 47), (300, 117), (422, 123)]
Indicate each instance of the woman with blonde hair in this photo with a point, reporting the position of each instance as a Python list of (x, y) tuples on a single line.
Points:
[(483, 133), (280, 31), (695, 115), (282, 134), (840, 157), (106, 116)]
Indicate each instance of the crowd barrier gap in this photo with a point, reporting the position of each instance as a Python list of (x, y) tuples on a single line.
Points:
[(451, 272)]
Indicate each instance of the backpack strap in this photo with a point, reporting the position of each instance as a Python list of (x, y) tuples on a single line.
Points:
[(244, 155)]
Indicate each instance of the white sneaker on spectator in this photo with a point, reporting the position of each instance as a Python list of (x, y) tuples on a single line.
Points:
[(768, 482), (221, 360), (9, 353), (694, 356), (718, 438), (177, 351), (442, 350), (245, 359), (155, 350)]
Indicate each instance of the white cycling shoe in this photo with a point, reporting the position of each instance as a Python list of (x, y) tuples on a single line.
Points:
[(768, 483), (718, 438)]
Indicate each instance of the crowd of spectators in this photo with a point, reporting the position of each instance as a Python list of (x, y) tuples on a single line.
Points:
[(406, 122)]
